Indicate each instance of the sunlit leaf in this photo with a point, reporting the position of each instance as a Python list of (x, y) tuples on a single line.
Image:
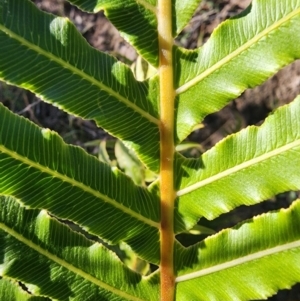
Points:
[(249, 262), (63, 179), (63, 263), (137, 21), (76, 77), (243, 169), (241, 53)]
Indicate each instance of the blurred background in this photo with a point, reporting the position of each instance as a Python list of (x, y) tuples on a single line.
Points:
[(251, 108)]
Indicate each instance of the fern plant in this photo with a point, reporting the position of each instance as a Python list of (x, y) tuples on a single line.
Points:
[(46, 184)]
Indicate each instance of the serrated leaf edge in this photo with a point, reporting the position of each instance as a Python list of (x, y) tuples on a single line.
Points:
[(239, 261), (239, 167), (235, 53), (66, 264), (81, 73), (80, 185)]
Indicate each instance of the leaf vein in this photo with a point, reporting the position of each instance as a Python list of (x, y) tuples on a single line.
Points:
[(235, 53), (238, 167), (239, 261), (67, 265), (81, 73), (78, 184)]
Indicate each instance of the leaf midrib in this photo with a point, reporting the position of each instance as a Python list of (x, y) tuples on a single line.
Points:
[(67, 265), (80, 73), (235, 53), (239, 167), (239, 261), (73, 182)]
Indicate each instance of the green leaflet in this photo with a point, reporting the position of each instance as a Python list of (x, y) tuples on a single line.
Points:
[(245, 168), (249, 262), (241, 53), (137, 22), (63, 69), (62, 263), (10, 291), (44, 181), (183, 12), (40, 170), (129, 163)]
